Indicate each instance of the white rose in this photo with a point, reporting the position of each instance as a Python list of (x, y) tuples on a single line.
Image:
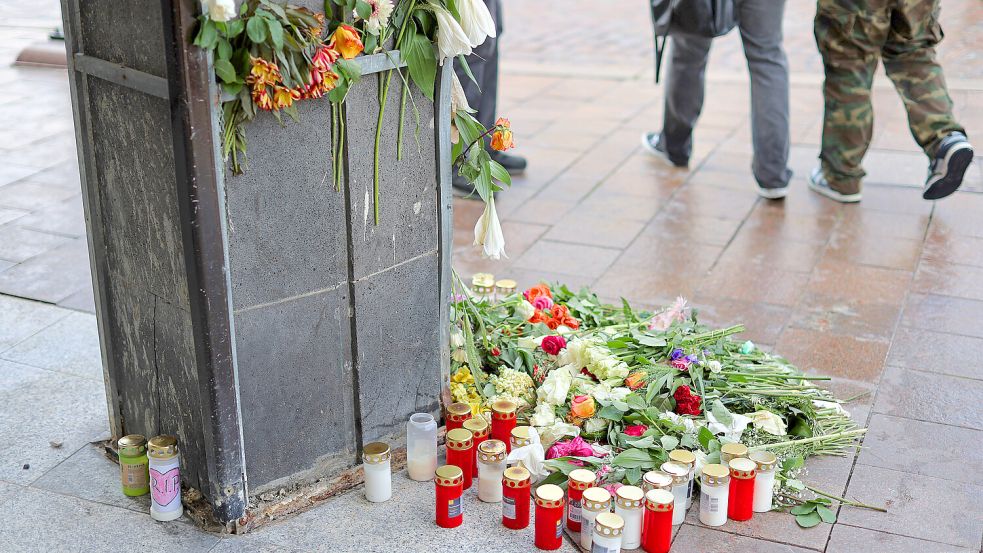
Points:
[(525, 310), (221, 10), (457, 338), (543, 415), (715, 366), (769, 422), (555, 388), (594, 425)]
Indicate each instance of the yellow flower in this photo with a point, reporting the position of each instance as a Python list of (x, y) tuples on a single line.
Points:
[(346, 42), (463, 376), (263, 72), (501, 139), (284, 97)]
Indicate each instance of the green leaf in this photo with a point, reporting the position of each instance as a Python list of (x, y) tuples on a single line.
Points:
[(419, 55), (792, 463), (275, 8), (256, 29), (224, 50), (232, 89), (705, 437), (643, 443), (631, 458), (803, 509), (207, 35), (633, 475), (225, 71), (808, 520), (825, 513), (461, 59), (636, 402), (500, 174), (363, 9), (276, 33), (795, 485), (611, 413), (349, 70), (234, 28), (653, 341), (669, 442), (721, 413)]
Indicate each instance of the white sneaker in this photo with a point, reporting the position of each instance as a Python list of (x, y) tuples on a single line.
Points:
[(650, 141), (773, 193), (818, 183)]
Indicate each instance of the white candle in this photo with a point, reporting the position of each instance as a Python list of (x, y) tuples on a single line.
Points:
[(680, 490), (491, 469), (713, 495), (629, 506), (764, 480), (378, 472)]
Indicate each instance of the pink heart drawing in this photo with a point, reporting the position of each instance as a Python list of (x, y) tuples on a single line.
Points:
[(164, 487)]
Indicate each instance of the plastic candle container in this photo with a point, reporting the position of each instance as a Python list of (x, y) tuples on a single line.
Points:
[(732, 451), (504, 288), (713, 495), (628, 504), (164, 466), (133, 465), (764, 480), (688, 460), (549, 517), (657, 530), (421, 447), (457, 413), (459, 453), (608, 533), (503, 421), (521, 436), (595, 502), (680, 485), (491, 470), (479, 431), (741, 499), (656, 480), (378, 472), (515, 498), (450, 486), (578, 480)]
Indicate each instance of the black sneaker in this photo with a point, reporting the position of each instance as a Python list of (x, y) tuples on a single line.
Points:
[(650, 141), (946, 171), (514, 164)]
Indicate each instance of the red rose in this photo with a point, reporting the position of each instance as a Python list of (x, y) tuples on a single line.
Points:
[(496, 352), (553, 344), (687, 403), (635, 430)]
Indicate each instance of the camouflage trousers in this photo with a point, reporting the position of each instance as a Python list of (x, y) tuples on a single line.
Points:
[(852, 35)]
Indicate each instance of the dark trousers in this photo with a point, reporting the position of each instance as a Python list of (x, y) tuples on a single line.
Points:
[(483, 62)]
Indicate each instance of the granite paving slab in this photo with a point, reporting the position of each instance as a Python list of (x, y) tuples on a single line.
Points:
[(20, 319), (708, 540), (70, 345), (32, 195), (937, 352), (947, 400), (19, 244), (51, 276), (849, 539), (65, 217), (101, 483)]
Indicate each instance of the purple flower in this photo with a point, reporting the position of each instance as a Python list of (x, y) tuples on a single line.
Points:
[(692, 358), (676, 354)]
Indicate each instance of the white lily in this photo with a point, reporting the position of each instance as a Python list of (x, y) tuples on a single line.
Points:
[(732, 432), (476, 20), (488, 232), (221, 10), (451, 40)]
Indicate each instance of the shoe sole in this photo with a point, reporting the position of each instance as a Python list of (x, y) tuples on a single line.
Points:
[(655, 152), (833, 194), (773, 193), (954, 168)]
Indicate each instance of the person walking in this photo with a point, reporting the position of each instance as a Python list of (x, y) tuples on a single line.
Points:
[(760, 25), (851, 36), (482, 93)]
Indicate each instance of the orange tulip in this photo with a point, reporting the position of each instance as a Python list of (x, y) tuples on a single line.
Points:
[(263, 72), (582, 407), (635, 380), (346, 42), (262, 98)]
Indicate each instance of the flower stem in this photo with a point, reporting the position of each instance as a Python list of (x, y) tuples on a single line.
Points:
[(845, 501), (814, 439), (402, 115)]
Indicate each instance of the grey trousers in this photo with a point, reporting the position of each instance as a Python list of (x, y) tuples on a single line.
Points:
[(760, 24), (483, 63)]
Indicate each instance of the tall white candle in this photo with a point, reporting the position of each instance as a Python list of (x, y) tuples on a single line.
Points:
[(378, 472), (714, 487), (680, 489), (629, 506), (764, 480)]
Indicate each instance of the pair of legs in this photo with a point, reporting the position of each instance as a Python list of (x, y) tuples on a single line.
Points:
[(760, 24), (851, 37)]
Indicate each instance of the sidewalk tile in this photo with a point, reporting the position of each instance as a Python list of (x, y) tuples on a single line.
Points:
[(928, 397), (755, 283), (7, 215), (101, 483), (938, 353), (876, 251), (10, 172), (70, 346), (947, 279), (764, 322), (708, 540), (548, 255), (869, 321), (948, 247), (832, 354), (33, 196), (19, 244), (65, 217), (944, 314), (83, 300), (596, 230), (21, 318), (857, 283), (918, 506), (848, 539), (51, 276)]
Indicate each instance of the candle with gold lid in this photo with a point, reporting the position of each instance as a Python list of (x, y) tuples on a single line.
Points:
[(134, 465), (164, 464), (714, 482), (686, 459), (629, 505), (680, 483), (577, 481), (657, 530), (378, 472), (740, 500), (483, 285), (503, 421), (608, 533), (449, 481), (515, 498), (764, 480), (491, 467), (479, 432), (459, 452), (549, 517), (656, 480), (732, 451), (457, 413), (521, 436), (595, 502), (504, 288)]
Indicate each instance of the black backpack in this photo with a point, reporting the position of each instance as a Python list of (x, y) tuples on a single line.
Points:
[(706, 18)]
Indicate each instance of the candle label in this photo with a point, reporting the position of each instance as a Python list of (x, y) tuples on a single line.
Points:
[(508, 507), (574, 511), (712, 503), (598, 548), (559, 528), (454, 508)]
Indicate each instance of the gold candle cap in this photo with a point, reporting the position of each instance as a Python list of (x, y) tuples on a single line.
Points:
[(491, 451), (521, 435), (458, 412), (459, 439), (132, 444), (656, 479), (162, 447), (449, 475), (483, 280), (629, 497), (504, 407), (505, 286), (679, 473), (659, 500), (516, 477), (375, 453), (714, 474), (742, 468), (477, 426), (609, 524), (549, 495), (580, 479), (596, 499), (682, 457), (766, 460), (732, 451)]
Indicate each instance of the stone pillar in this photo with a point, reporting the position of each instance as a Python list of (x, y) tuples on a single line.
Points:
[(263, 318)]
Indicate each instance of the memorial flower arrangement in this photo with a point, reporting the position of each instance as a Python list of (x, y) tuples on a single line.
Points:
[(616, 388), (268, 56)]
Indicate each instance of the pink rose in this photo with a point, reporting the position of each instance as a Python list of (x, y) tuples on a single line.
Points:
[(553, 344), (542, 302), (682, 364), (576, 447), (635, 430), (602, 472)]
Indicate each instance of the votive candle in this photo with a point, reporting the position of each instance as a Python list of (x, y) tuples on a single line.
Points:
[(479, 433), (549, 517), (688, 460), (450, 486), (764, 480), (577, 481), (608, 533), (713, 494), (657, 526), (515, 498), (732, 451), (503, 421), (421, 446), (459, 452), (491, 468), (680, 485), (656, 480), (457, 413), (628, 504), (740, 501), (378, 472), (595, 502)]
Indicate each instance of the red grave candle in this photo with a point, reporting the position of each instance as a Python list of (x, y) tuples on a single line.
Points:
[(460, 453), (657, 521), (579, 480), (457, 413), (740, 500), (515, 498), (479, 433), (503, 421), (450, 509), (549, 517)]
